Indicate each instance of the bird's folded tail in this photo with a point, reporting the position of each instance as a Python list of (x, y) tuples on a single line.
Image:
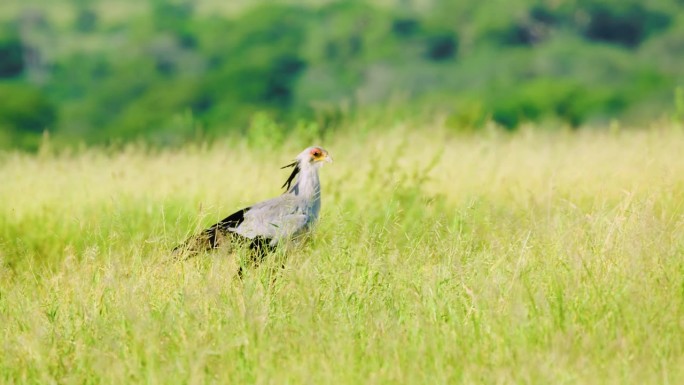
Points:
[(204, 241), (211, 238), (214, 238)]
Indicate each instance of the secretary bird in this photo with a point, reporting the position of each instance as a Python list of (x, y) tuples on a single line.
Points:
[(265, 225)]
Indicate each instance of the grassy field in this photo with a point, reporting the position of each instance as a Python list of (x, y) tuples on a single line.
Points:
[(544, 258)]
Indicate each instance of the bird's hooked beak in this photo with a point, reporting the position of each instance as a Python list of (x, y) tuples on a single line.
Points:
[(328, 158)]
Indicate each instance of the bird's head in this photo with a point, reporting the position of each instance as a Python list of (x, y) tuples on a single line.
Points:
[(311, 157)]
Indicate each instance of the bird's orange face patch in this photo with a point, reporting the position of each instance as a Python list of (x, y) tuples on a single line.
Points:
[(316, 153)]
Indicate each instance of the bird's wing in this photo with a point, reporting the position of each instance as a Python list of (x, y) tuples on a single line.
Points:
[(226, 225), (262, 224), (274, 219)]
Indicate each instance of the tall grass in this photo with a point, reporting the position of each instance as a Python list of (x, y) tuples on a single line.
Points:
[(495, 258)]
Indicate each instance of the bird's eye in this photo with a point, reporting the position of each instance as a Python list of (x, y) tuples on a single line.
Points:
[(316, 153)]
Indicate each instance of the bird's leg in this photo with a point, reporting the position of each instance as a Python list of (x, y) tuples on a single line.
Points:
[(256, 252)]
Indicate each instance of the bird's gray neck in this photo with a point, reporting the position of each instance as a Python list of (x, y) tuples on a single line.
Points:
[(307, 185), (308, 188)]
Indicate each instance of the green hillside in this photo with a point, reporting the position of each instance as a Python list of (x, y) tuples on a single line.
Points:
[(168, 72)]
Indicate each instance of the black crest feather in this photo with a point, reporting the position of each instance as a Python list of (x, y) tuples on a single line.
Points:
[(295, 171)]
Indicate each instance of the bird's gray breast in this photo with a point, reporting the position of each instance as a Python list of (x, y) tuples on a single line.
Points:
[(314, 209)]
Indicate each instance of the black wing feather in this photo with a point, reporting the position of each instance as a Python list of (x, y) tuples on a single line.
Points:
[(223, 227)]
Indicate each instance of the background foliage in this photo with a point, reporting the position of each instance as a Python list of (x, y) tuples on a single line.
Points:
[(170, 71)]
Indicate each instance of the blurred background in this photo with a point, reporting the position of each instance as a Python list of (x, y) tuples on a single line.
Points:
[(170, 71)]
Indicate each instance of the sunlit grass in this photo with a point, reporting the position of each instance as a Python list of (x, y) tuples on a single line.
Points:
[(494, 258)]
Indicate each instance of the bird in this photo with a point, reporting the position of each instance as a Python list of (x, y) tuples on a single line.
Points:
[(264, 226)]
